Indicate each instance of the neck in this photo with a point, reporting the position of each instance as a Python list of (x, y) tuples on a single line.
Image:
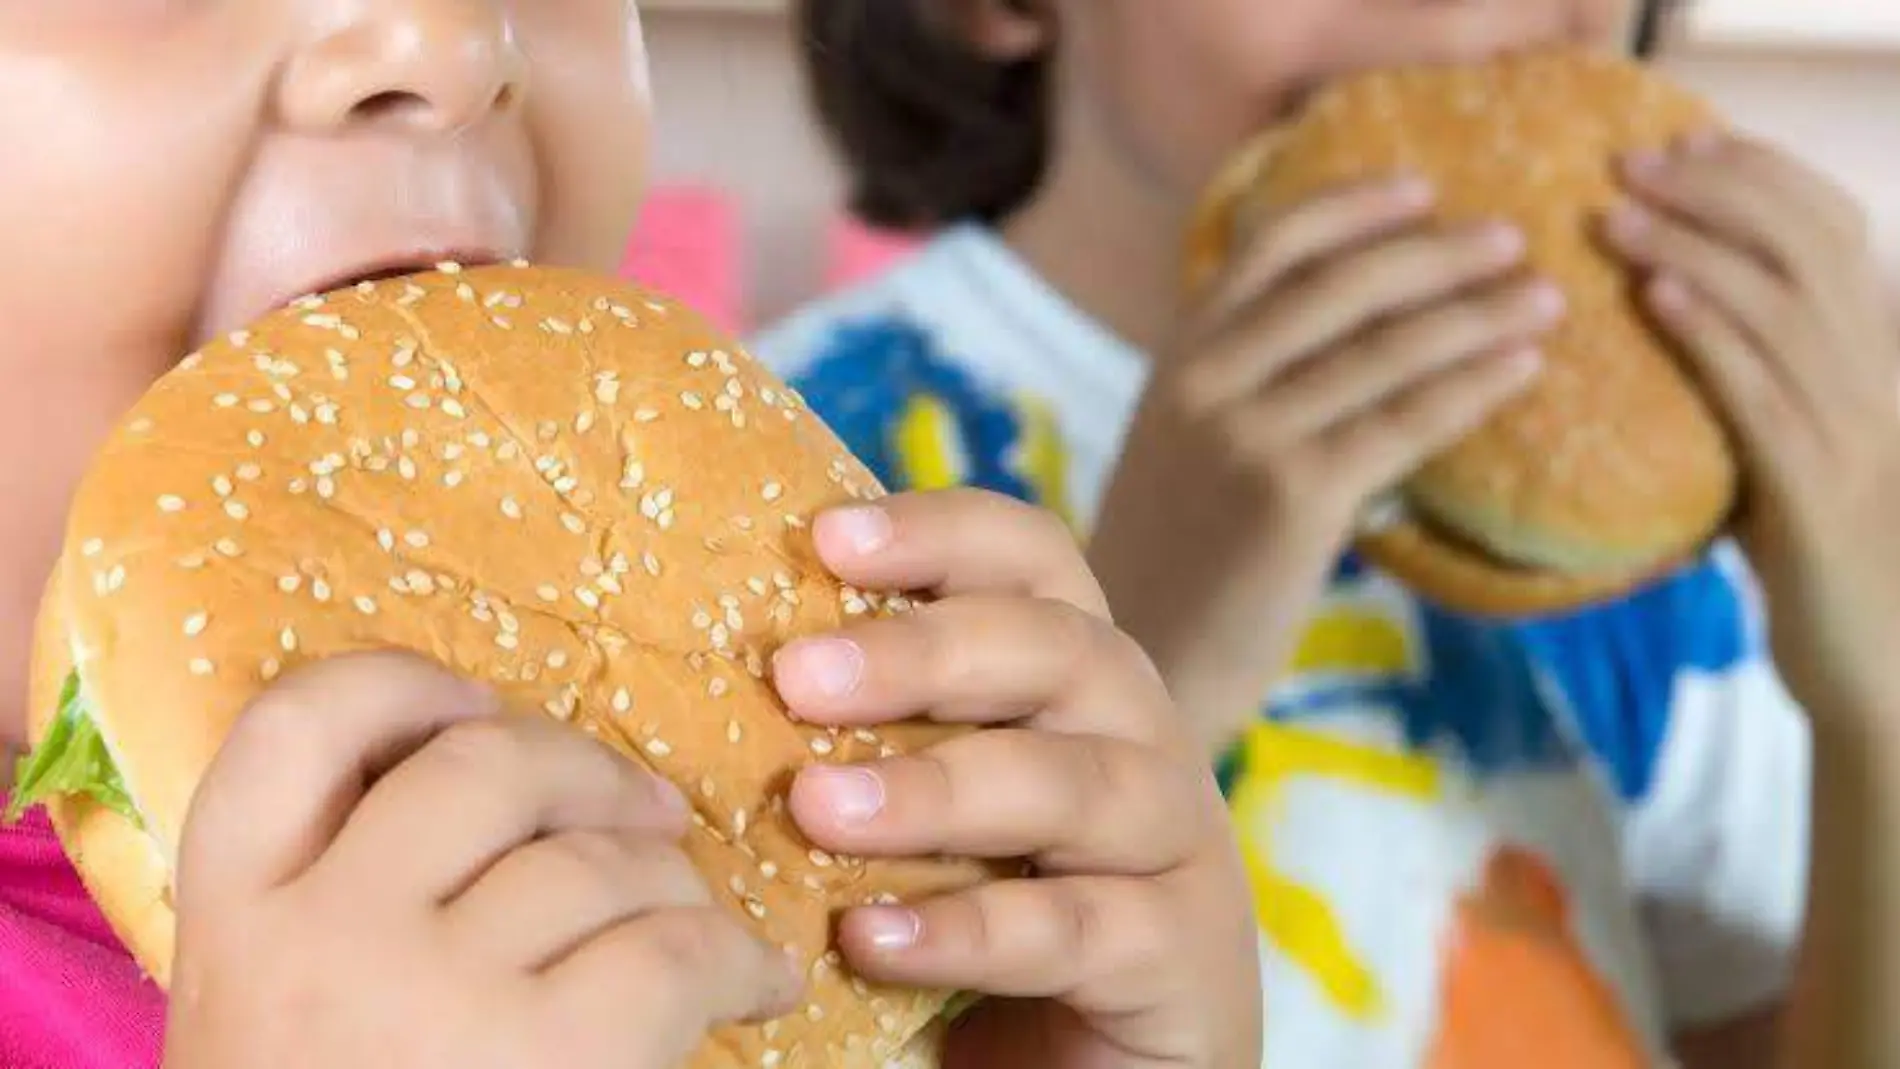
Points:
[(1108, 244)]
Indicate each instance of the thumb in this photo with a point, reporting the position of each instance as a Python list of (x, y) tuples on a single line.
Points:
[(300, 759)]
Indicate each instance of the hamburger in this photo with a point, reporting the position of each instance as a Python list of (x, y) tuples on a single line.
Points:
[(568, 487), (1611, 469)]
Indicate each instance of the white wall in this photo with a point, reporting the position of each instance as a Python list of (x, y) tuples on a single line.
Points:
[(732, 111), (1839, 110)]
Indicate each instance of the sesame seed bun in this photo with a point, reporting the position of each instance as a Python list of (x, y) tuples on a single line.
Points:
[(568, 487), (1612, 468)]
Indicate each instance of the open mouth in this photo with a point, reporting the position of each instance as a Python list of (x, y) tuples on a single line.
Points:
[(399, 267)]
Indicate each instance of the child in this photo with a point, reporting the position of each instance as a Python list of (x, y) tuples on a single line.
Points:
[(181, 168), (1468, 840)]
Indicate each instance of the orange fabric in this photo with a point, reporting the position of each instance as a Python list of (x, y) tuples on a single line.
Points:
[(1519, 988)]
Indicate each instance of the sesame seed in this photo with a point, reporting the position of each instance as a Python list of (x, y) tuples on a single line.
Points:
[(93, 547), (365, 605), (237, 511), (573, 523), (548, 593), (201, 667), (622, 700), (658, 748), (773, 491), (225, 400), (510, 508), (270, 669), (196, 623), (171, 503), (290, 584), (587, 597), (507, 640), (386, 539), (416, 539)]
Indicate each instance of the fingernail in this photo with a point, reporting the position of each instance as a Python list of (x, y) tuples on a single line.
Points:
[(890, 928), (854, 795), (478, 700), (1524, 362), (831, 666), (1701, 142), (1547, 302), (860, 530), (669, 797), (1629, 224), (1668, 293), (1644, 162), (1502, 240), (1411, 191)]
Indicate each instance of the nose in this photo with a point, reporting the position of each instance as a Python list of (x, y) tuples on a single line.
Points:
[(423, 66)]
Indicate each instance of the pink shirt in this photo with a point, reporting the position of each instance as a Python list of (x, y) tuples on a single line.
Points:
[(70, 996)]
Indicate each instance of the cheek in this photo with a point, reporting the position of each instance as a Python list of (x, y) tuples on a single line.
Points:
[(591, 120), (1178, 86), (112, 218), (111, 201)]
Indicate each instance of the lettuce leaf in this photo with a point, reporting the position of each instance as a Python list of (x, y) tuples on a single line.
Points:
[(960, 1003), (71, 760)]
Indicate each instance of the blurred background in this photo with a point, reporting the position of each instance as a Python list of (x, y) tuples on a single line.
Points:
[(745, 220)]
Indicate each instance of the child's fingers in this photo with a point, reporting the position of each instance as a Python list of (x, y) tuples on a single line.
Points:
[(541, 902), (978, 659), (1387, 442), (1102, 944), (665, 979), (296, 763), (1393, 358), (426, 830), (1292, 240), (1332, 303), (953, 542), (1070, 803), (1733, 202), (1753, 296), (1759, 406)]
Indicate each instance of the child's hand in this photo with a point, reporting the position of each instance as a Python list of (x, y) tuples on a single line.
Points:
[(1133, 945), (1764, 272), (1351, 343), (378, 873)]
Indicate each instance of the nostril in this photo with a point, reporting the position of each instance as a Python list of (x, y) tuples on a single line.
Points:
[(506, 96), (385, 105)]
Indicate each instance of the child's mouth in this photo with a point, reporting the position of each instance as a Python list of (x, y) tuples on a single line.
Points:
[(398, 267)]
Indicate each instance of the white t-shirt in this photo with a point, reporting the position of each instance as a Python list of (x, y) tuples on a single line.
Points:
[(1474, 845)]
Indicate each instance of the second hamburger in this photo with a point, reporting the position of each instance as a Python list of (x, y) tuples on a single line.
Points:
[(1611, 469)]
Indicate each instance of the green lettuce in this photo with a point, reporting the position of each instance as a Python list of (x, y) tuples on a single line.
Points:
[(71, 760), (960, 1003)]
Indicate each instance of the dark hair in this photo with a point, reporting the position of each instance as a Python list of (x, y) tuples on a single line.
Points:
[(932, 131)]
